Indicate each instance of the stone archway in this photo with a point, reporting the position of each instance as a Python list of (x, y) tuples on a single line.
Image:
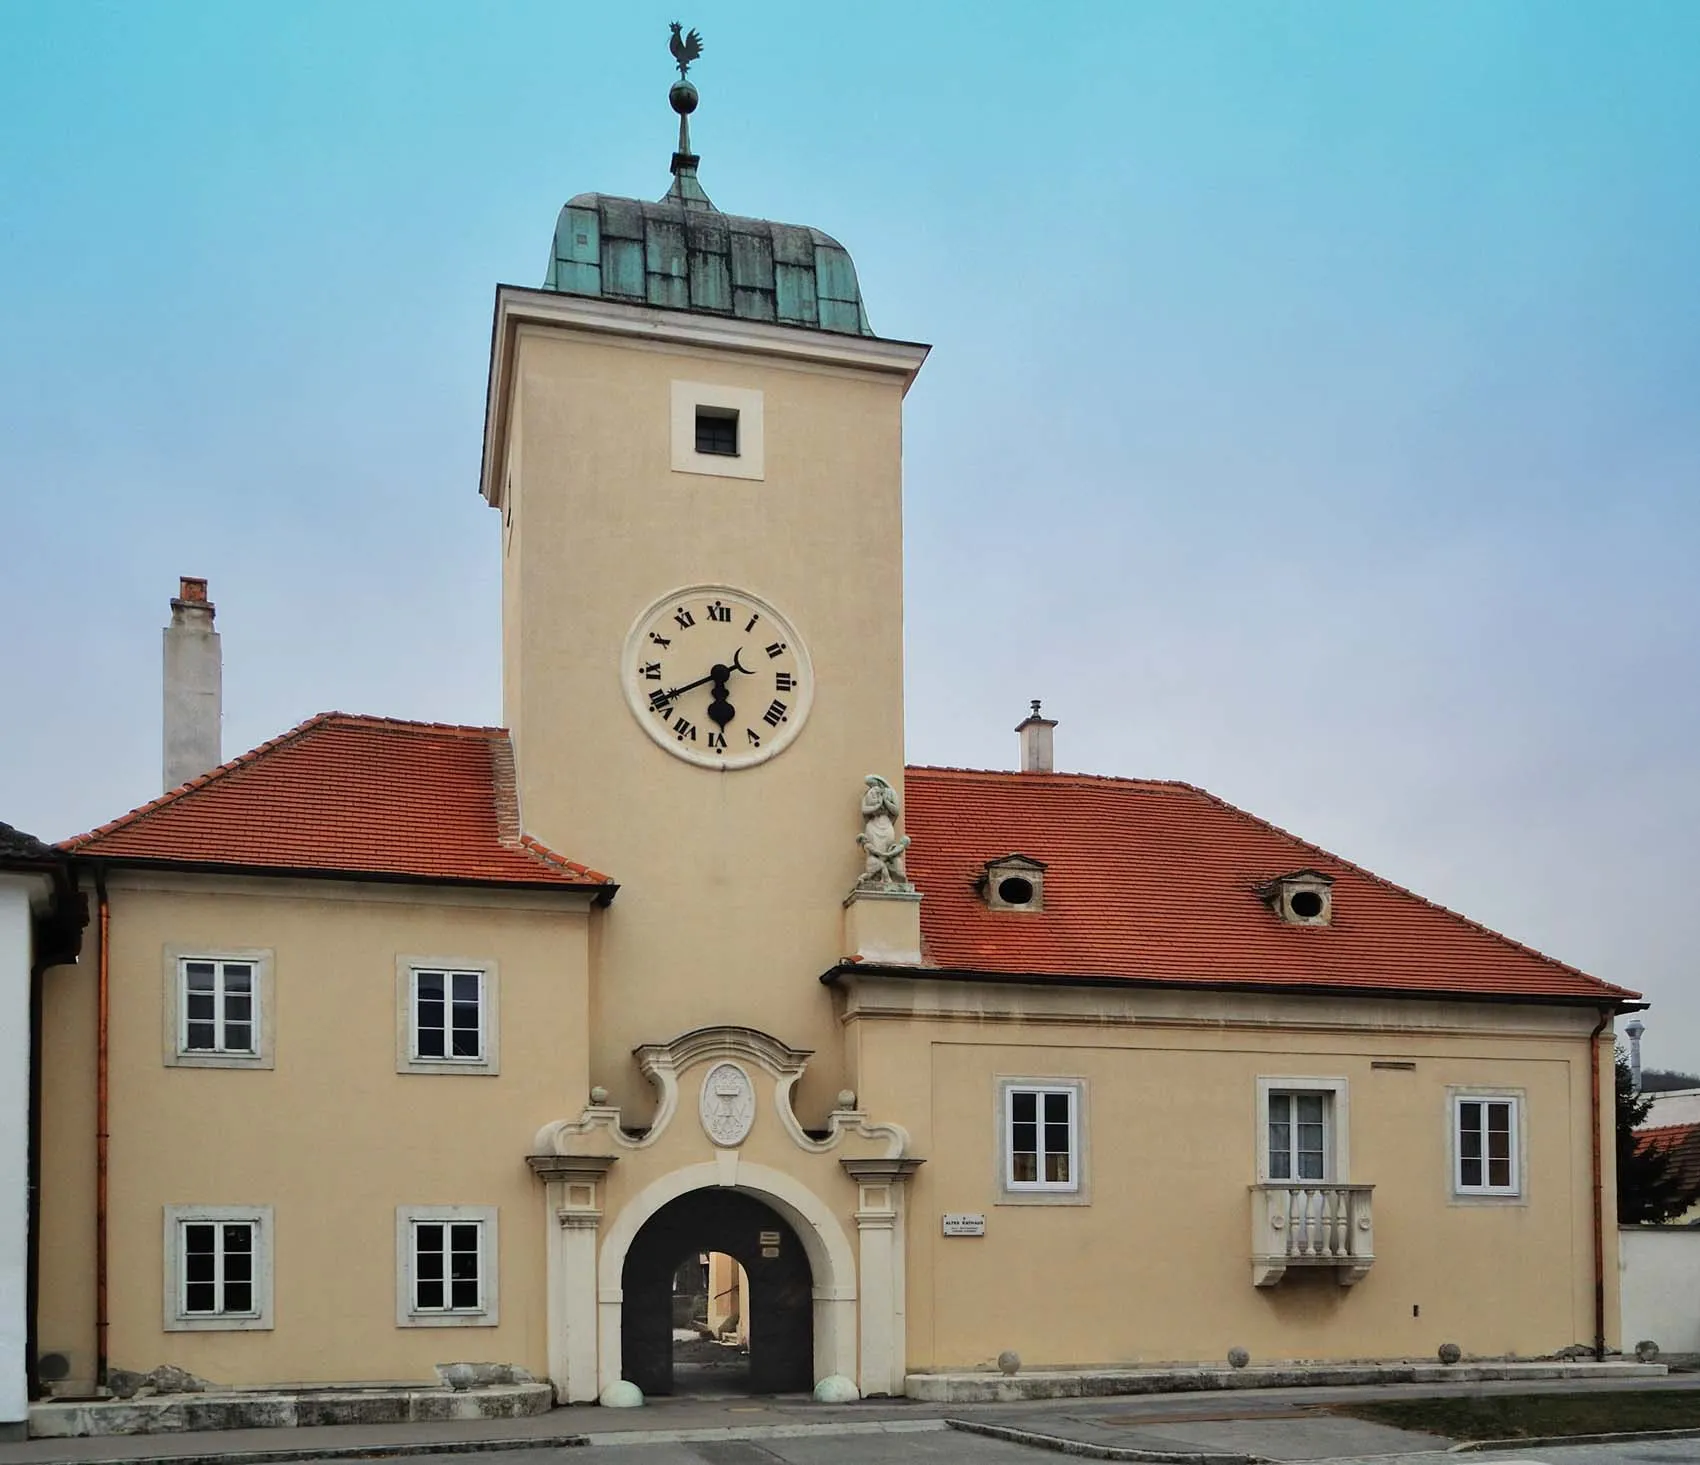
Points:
[(781, 1286), (826, 1249)]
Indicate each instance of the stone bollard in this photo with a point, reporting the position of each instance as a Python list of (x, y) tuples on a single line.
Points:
[(1009, 1361), (1238, 1357), (1450, 1352)]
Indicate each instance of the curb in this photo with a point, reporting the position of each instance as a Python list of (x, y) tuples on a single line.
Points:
[(340, 1452), (1543, 1442), (725, 1432), (1083, 1450)]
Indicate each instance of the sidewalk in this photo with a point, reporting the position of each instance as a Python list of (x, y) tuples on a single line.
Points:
[(1285, 1424)]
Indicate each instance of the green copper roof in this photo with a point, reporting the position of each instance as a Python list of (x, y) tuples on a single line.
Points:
[(687, 255)]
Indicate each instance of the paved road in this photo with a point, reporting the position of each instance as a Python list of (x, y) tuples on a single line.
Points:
[(952, 1447)]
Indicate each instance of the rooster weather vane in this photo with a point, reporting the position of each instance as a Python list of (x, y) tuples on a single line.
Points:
[(686, 46)]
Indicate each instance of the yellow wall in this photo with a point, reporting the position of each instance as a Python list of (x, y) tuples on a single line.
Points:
[(707, 857), (1157, 1266), (333, 1138)]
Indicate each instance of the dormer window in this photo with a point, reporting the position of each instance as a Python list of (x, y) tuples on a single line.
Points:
[(1014, 883), (1304, 898)]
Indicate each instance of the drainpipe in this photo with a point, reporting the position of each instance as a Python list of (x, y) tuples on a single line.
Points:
[(32, 1216), (101, 1135), (1599, 1184)]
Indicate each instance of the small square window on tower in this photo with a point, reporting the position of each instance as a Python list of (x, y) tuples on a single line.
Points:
[(717, 431), (1304, 898)]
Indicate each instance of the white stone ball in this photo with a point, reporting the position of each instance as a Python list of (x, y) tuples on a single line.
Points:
[(836, 1389), (1009, 1361), (621, 1394)]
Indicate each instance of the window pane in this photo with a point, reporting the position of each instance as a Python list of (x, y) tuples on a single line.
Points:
[(238, 1038), (466, 985), (237, 1007), (1499, 1173), (1311, 1108), (238, 1297), (1280, 1146), (200, 1006), (1056, 1139), (1025, 1139), (463, 1236), (198, 1238), (1470, 1173), (238, 1236), (1024, 1165), (198, 1297), (1056, 1167), (198, 975), (1056, 1108), (428, 1236), (238, 976), (430, 1039), (429, 1294), (463, 1293), (198, 1266), (1023, 1106), (199, 1037)]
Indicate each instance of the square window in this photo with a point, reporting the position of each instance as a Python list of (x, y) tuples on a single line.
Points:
[(218, 1009), (1486, 1145), (1040, 1133), (717, 431), (446, 1017), (217, 1268), (446, 1266)]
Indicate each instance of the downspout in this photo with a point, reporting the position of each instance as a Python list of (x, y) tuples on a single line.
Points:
[(101, 1135), (1599, 1183)]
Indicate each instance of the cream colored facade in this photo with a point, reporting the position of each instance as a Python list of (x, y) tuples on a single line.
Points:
[(679, 1043)]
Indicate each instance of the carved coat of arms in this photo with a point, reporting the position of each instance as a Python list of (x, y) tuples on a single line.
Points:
[(728, 1104)]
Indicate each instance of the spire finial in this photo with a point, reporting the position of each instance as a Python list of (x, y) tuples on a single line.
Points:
[(686, 47)]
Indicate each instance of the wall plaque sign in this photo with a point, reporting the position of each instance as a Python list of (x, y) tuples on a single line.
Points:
[(964, 1223), (728, 1104)]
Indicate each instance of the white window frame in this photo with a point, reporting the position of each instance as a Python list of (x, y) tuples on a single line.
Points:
[(750, 459), (407, 1056), (1073, 1191), (1337, 1125), (177, 1318), (407, 1312), (176, 1052), (1512, 1194)]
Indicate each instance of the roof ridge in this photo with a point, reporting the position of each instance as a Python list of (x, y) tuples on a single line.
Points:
[(1034, 778), (1394, 885)]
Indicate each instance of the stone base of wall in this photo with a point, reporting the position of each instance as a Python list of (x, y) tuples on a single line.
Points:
[(181, 1413), (1065, 1383)]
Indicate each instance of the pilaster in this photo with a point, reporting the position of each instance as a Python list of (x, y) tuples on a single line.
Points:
[(880, 1203), (572, 1214)]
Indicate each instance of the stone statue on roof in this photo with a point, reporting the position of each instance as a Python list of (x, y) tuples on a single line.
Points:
[(879, 839)]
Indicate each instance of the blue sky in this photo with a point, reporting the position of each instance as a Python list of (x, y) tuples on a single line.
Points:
[(1314, 412)]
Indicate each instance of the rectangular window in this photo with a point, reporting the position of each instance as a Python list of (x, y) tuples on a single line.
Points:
[(1042, 1144), (218, 1274), (1485, 1145), (217, 1003), (717, 431), (448, 1016), (217, 1269), (447, 1266), (1299, 1136)]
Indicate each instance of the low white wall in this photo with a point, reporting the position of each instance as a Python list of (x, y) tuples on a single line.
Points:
[(14, 1131), (1660, 1274)]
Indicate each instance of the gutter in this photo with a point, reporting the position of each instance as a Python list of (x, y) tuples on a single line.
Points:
[(1594, 1124), (1627, 1003)]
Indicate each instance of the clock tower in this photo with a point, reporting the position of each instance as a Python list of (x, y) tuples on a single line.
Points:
[(694, 441)]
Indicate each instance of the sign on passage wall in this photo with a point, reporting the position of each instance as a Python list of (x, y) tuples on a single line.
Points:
[(964, 1223)]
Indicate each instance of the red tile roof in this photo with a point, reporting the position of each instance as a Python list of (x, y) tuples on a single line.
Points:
[(1160, 882), (1682, 1142), (349, 795)]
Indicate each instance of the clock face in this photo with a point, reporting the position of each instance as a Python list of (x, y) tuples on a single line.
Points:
[(717, 676)]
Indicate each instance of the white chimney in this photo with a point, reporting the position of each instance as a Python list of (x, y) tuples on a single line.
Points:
[(1634, 1028), (1036, 742), (194, 686)]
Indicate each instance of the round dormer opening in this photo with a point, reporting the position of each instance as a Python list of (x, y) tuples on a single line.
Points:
[(1015, 890), (1306, 904)]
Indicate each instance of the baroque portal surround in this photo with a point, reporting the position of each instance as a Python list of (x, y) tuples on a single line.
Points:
[(858, 1295)]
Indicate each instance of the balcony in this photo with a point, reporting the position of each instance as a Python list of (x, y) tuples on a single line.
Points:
[(1298, 1224)]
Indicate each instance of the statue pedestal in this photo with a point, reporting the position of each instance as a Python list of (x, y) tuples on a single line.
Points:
[(882, 923)]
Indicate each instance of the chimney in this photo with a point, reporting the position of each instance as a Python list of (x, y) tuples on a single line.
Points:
[(1633, 1029), (1036, 742), (194, 695)]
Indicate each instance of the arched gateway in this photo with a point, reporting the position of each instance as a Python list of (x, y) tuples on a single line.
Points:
[(621, 1218), (780, 1300)]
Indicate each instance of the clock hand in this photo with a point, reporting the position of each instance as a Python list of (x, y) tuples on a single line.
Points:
[(719, 674)]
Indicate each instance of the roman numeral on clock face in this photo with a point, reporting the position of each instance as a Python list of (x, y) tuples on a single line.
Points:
[(652, 672), (775, 713), (717, 741), (719, 612), (783, 681), (776, 649), (659, 701), (684, 728), (685, 619)]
